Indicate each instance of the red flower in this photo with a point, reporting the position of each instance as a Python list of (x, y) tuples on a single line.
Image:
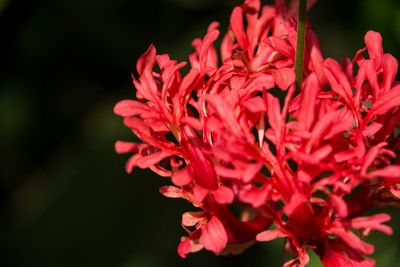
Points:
[(302, 165)]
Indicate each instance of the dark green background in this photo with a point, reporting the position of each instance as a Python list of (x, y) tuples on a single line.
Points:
[(65, 198)]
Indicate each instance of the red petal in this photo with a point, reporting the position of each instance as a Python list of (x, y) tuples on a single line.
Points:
[(260, 83), (385, 103), (152, 159), (228, 172), (199, 193), (373, 222), (256, 196), (237, 26), (284, 77), (227, 46), (372, 77), (255, 104), (193, 122), (281, 46), (142, 130), (372, 129), (373, 40), (184, 247), (340, 206), (320, 129), (226, 112), (131, 163), (182, 177), (316, 57), (213, 236), (353, 241), (223, 195), (314, 158), (307, 108), (386, 172), (332, 254), (206, 47), (338, 80), (389, 65), (295, 201), (371, 156), (192, 218), (171, 191), (187, 82), (189, 244), (251, 171), (127, 108), (270, 235), (122, 147), (200, 164), (274, 113), (146, 60)]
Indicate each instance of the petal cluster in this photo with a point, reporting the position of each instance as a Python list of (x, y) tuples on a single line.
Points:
[(260, 159)]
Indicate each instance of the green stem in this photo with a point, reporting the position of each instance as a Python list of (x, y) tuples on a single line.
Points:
[(301, 30)]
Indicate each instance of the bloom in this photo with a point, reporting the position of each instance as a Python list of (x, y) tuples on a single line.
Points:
[(301, 164)]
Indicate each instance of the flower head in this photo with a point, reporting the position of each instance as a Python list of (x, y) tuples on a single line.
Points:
[(299, 164)]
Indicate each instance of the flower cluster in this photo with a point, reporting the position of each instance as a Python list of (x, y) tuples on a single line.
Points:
[(260, 159)]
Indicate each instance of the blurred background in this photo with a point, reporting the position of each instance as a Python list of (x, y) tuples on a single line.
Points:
[(65, 199)]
